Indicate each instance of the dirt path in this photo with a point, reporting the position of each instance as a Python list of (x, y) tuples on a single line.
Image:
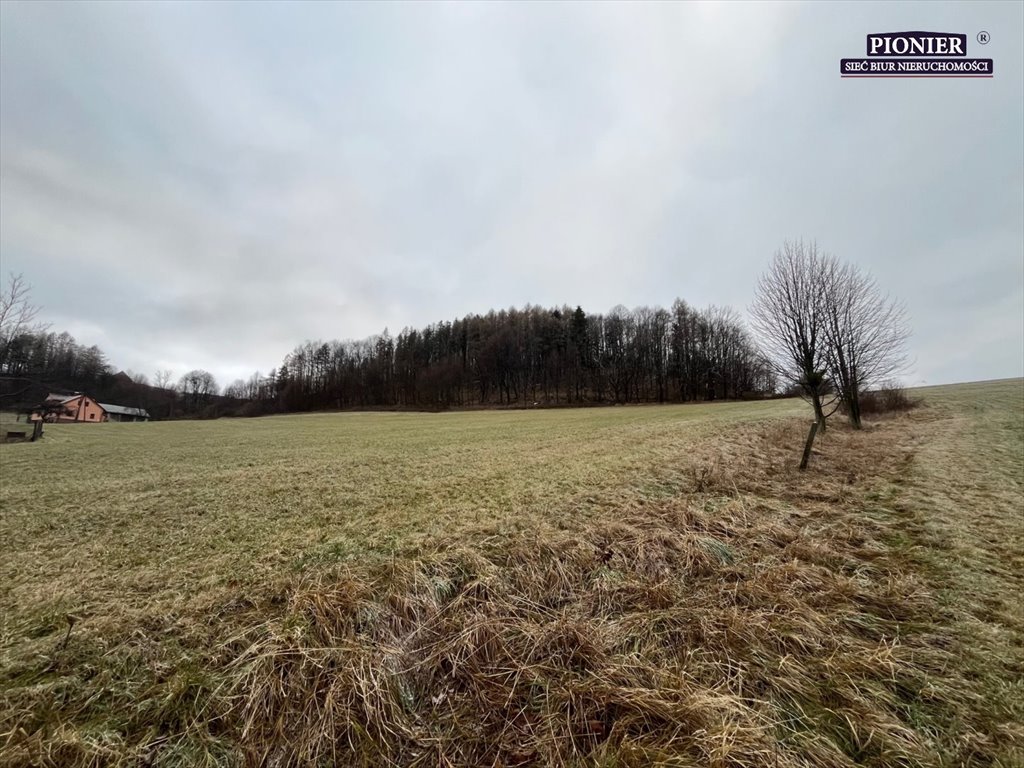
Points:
[(960, 502)]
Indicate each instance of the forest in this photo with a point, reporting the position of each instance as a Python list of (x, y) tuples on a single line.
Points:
[(525, 357), (512, 357)]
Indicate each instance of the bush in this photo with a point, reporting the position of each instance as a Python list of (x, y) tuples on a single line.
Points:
[(891, 398)]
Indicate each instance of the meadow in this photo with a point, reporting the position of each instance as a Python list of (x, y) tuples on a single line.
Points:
[(609, 586)]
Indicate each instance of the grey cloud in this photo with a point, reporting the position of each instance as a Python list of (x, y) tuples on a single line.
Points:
[(209, 185)]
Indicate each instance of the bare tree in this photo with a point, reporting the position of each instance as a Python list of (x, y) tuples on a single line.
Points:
[(17, 319), (789, 317), (162, 379), (236, 390), (17, 312), (197, 388), (866, 333)]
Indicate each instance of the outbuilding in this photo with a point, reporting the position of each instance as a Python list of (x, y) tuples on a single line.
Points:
[(123, 413)]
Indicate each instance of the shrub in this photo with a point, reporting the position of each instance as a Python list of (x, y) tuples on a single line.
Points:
[(891, 398)]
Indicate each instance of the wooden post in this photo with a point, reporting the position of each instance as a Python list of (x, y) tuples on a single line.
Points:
[(37, 430), (808, 444)]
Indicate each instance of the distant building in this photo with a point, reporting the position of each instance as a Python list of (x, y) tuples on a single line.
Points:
[(79, 407), (123, 413)]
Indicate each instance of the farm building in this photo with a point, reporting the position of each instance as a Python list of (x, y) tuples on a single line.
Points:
[(79, 407), (123, 413)]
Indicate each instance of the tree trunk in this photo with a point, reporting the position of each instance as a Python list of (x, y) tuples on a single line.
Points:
[(819, 413), (807, 446), (854, 406)]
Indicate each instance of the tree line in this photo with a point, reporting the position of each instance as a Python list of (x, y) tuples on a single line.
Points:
[(821, 328), (514, 357), (524, 357), (56, 356), (36, 362)]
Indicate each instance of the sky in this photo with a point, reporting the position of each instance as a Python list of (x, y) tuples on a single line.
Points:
[(207, 185)]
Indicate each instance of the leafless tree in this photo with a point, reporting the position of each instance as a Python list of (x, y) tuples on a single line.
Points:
[(197, 388), (866, 333), (17, 319), (789, 317), (236, 390), (164, 382), (17, 312), (162, 379)]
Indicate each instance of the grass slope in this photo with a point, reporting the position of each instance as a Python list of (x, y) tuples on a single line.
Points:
[(620, 586)]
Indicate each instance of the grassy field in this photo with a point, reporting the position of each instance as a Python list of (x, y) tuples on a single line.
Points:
[(13, 421), (616, 586)]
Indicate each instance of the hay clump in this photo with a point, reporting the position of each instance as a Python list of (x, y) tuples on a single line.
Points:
[(627, 644)]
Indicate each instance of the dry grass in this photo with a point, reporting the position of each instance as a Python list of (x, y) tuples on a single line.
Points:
[(629, 586)]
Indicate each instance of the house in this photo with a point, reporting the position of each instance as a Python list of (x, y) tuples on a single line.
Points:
[(67, 408), (80, 407)]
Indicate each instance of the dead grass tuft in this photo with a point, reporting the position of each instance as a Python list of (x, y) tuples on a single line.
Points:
[(624, 644)]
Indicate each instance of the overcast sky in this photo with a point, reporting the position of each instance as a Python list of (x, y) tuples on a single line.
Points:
[(209, 184)]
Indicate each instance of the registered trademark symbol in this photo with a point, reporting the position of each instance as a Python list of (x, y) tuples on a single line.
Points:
[(984, 37)]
